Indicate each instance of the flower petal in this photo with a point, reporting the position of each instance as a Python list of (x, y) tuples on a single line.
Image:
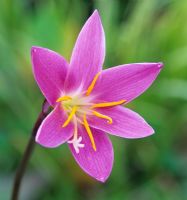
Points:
[(50, 70), (88, 54), (51, 134), (126, 123), (126, 82), (97, 164)]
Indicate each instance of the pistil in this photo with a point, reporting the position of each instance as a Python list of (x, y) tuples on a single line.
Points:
[(76, 141), (78, 108)]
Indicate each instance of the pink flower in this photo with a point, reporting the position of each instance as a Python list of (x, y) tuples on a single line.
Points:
[(88, 101)]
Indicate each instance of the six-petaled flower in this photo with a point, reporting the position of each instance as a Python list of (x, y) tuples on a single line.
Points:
[(88, 101)]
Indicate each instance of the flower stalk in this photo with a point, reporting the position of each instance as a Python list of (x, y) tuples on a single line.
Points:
[(28, 152)]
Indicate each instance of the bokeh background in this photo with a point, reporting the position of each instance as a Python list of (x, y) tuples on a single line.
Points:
[(136, 31)]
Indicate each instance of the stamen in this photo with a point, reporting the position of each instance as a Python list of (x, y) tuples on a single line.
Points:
[(87, 127), (90, 88), (73, 111), (109, 119), (64, 98), (108, 104)]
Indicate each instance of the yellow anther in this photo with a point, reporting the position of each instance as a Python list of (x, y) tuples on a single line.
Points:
[(108, 104), (73, 111), (109, 119), (64, 98), (90, 88), (87, 127)]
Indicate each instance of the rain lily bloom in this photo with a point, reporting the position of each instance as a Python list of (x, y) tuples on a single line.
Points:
[(87, 101)]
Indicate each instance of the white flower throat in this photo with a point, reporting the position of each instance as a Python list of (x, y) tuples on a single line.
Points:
[(78, 108)]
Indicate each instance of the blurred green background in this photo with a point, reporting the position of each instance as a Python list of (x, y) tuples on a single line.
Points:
[(136, 31)]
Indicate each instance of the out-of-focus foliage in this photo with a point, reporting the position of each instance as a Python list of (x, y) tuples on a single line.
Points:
[(136, 31)]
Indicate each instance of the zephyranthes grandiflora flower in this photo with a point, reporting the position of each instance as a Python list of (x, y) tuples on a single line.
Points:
[(87, 101)]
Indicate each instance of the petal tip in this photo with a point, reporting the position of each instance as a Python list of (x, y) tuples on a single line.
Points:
[(37, 49), (102, 179), (96, 15), (95, 12), (34, 49), (150, 131), (160, 65)]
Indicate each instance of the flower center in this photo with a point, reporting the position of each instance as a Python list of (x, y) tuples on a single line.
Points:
[(79, 107)]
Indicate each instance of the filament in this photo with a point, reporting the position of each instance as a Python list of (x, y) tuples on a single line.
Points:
[(108, 104), (73, 111), (90, 88), (87, 127)]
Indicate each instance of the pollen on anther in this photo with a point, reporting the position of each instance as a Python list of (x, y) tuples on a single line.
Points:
[(90, 88), (97, 114)]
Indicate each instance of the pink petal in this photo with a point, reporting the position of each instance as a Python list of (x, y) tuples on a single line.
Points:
[(88, 54), (126, 82), (51, 134), (50, 70), (97, 164), (126, 123)]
